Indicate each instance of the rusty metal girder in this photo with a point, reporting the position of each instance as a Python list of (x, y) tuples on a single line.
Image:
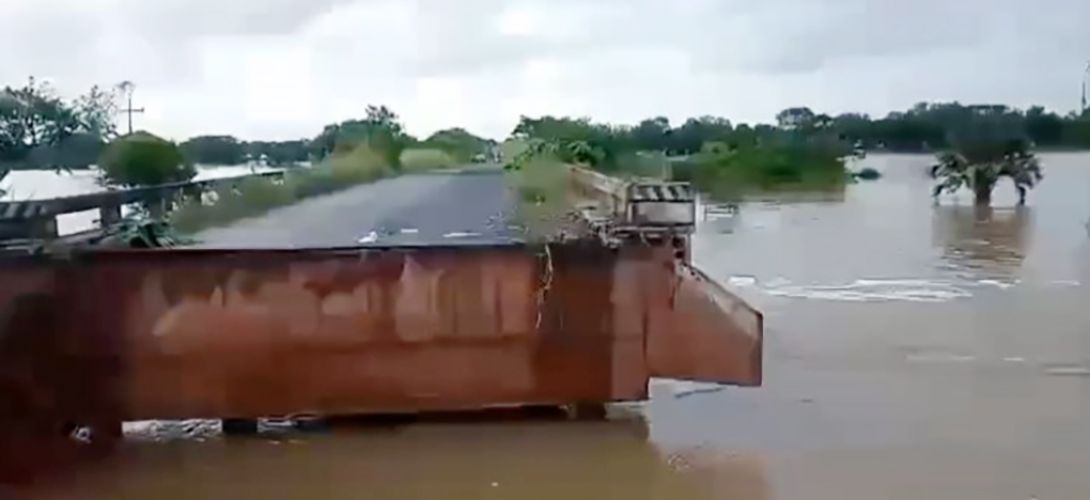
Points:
[(121, 335)]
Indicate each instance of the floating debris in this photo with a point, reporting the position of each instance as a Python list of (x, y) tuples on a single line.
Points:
[(370, 238), (167, 430), (461, 234), (741, 281)]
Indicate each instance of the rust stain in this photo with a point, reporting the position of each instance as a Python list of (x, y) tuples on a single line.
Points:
[(704, 333)]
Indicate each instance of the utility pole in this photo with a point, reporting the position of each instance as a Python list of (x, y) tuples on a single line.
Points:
[(1085, 77), (127, 87)]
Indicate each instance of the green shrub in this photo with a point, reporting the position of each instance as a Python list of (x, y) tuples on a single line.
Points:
[(362, 164), (142, 159), (262, 193), (794, 166), (312, 181), (359, 165), (191, 216), (511, 149), (420, 159), (460, 145)]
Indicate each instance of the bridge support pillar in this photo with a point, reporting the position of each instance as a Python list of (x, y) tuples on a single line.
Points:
[(42, 227), (109, 215)]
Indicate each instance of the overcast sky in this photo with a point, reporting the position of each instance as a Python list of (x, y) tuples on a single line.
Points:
[(279, 69)]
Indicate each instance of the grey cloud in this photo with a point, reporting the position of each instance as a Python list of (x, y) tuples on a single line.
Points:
[(187, 18), (740, 55), (798, 35), (774, 36), (47, 39), (462, 37)]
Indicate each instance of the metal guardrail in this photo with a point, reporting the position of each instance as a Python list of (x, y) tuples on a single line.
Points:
[(52, 207), (37, 218)]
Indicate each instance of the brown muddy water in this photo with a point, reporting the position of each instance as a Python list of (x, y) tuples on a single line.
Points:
[(912, 351)]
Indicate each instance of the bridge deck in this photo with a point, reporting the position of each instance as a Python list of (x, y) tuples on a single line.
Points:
[(441, 208)]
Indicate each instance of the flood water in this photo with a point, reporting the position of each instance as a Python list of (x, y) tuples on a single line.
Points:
[(911, 351)]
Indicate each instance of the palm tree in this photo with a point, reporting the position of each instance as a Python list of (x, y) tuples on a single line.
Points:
[(978, 165)]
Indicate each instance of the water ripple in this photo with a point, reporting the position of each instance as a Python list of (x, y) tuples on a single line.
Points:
[(866, 290)]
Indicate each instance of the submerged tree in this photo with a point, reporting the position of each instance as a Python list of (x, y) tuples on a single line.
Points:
[(980, 164)]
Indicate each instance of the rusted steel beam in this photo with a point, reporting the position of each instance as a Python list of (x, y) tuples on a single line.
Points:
[(104, 336)]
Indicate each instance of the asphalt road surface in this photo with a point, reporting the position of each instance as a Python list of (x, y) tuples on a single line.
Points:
[(462, 207)]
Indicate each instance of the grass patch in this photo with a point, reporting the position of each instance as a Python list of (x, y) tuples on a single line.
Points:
[(543, 198), (256, 195), (423, 159)]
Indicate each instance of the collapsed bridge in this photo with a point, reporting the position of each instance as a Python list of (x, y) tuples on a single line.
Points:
[(94, 336)]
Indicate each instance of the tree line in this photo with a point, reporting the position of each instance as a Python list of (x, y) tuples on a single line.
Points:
[(37, 127), (976, 146), (40, 129), (926, 127)]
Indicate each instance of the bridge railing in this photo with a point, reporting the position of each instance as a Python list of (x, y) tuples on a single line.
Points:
[(639, 205), (37, 219)]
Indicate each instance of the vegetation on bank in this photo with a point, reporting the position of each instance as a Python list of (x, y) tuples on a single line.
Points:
[(802, 150), (729, 162), (976, 147), (729, 172)]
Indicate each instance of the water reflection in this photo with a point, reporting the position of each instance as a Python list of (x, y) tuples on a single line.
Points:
[(981, 242), (520, 460)]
